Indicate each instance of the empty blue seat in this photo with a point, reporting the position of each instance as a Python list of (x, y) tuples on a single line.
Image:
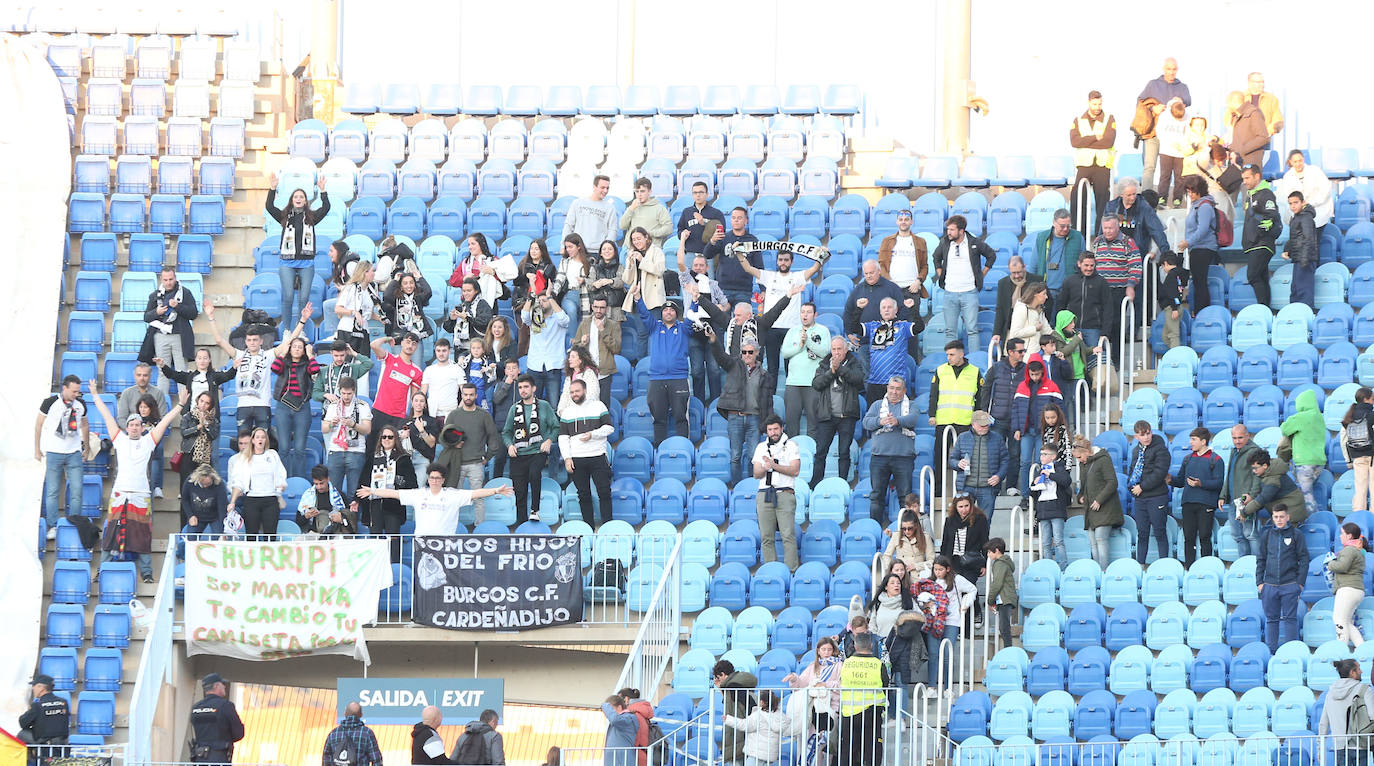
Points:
[(118, 582), (730, 586), (1249, 667), (206, 214), (95, 713), (61, 665), (1125, 626), (1048, 671), (1088, 670), (969, 715)]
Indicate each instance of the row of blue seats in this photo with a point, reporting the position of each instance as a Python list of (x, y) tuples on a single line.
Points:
[(1338, 372), (134, 174), (94, 289), (190, 98), (1099, 718), (103, 668), (71, 582), (1175, 668), (144, 135), (66, 626), (587, 143), (1292, 323), (134, 213), (1143, 749), (194, 253), (601, 100), (153, 54)]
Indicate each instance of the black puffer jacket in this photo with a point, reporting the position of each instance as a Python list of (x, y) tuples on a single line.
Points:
[(732, 392), (1155, 472), (614, 293), (850, 380), (1303, 248)]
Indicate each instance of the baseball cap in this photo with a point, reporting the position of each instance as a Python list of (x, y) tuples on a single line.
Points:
[(132, 418), (982, 418)]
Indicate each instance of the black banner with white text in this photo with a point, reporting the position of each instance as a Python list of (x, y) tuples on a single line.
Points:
[(497, 582)]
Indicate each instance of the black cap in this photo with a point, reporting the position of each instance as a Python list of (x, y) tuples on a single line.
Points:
[(676, 304), (211, 680), (42, 678)]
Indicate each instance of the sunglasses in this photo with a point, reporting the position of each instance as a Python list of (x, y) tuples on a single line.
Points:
[(748, 352), (387, 437), (905, 528)]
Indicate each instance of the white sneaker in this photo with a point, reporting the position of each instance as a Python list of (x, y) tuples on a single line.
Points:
[(1013, 492), (931, 693), (534, 516), (158, 493), (52, 533)]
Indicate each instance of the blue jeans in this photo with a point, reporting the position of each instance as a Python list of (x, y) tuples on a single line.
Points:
[(548, 384), (155, 468), (933, 648), (1150, 512), (572, 306), (1029, 452), (744, 432), (293, 426), (738, 296), (345, 470), (888, 471), (1246, 533), (1303, 285), (1090, 338), (1002, 428), (60, 465), (962, 306), (287, 274), (1102, 545), (1052, 541), (1280, 613), (249, 418)]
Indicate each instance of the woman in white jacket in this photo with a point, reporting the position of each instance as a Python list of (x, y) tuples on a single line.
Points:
[(764, 728), (1028, 320), (579, 366), (259, 477)]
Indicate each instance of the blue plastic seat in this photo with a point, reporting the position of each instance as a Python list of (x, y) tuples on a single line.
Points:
[(1048, 671), (1085, 626), (730, 586), (810, 586), (1043, 627), (1053, 715), (1011, 716), (768, 588), (1130, 670), (830, 621), (792, 630), (740, 543), (1088, 670), (1006, 671), (111, 626), (969, 716), (1079, 582), (849, 579)]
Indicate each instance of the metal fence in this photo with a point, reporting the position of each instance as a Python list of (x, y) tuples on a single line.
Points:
[(102, 755), (1263, 749), (660, 634)]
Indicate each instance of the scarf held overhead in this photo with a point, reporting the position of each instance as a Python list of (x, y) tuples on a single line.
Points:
[(817, 253)]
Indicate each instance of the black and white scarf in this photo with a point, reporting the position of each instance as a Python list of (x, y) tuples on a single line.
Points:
[(736, 335), (817, 253), (295, 220), (409, 316), (166, 324), (528, 431)]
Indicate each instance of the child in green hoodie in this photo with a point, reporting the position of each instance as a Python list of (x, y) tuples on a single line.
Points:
[(1070, 342), (1306, 431)]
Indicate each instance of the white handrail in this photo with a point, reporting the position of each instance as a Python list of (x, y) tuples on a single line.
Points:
[(1085, 221), (927, 500), (949, 438), (1082, 407), (660, 631), (1148, 298), (154, 662), (1101, 383), (1128, 341)]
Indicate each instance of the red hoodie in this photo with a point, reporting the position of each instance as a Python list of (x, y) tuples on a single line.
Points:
[(644, 711)]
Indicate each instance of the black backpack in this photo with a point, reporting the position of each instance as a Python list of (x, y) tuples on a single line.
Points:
[(658, 747), (346, 756), (1357, 434), (472, 750), (609, 573)]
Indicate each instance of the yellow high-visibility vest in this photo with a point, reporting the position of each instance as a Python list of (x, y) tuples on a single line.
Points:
[(861, 684), (1102, 157), (955, 405)]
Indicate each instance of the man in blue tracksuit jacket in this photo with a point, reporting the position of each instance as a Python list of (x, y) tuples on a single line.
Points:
[(668, 363), (1281, 561)]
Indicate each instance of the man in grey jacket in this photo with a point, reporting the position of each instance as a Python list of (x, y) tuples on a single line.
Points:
[(1335, 718)]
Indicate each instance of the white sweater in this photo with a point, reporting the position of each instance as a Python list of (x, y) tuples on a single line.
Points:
[(765, 732)]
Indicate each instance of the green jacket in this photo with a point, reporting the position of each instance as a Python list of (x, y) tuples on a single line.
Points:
[(1070, 343), (327, 381), (1002, 581), (529, 444), (1307, 429), (1099, 484), (1348, 568)]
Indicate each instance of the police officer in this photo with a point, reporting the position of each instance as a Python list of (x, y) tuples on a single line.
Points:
[(215, 724), (47, 720)]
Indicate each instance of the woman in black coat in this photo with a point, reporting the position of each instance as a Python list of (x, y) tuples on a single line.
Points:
[(298, 222), (387, 468), (965, 533)]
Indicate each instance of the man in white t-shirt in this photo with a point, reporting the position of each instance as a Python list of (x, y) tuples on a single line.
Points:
[(777, 284), (959, 274), (59, 438), (436, 506), (346, 424), (442, 379), (777, 461), (130, 495), (902, 257)]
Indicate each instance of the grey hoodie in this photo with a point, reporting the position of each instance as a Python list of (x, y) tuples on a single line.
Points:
[(1337, 707)]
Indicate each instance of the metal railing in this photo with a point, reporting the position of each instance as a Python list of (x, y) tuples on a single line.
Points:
[(117, 754), (660, 634), (1126, 375), (1260, 749), (154, 662), (1148, 298)]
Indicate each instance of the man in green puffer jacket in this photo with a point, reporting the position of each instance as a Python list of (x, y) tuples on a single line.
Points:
[(1307, 430)]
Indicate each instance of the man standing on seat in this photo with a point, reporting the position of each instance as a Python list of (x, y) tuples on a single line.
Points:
[(400, 378), (59, 438), (170, 310), (777, 461), (530, 430), (1281, 560), (592, 217), (957, 273), (1261, 232), (215, 724), (1162, 90), (803, 347), (953, 391), (583, 430), (839, 379), (778, 284), (903, 258), (892, 420), (668, 366), (887, 343), (1093, 137)]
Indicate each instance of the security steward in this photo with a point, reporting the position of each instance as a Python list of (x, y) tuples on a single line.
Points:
[(953, 390), (47, 721), (861, 710), (215, 724)]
